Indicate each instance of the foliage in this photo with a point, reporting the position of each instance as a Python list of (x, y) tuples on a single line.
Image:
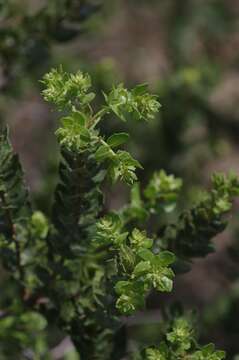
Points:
[(57, 21), (191, 235), (180, 343), (81, 269)]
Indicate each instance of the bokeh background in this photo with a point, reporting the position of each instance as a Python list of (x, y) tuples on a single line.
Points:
[(188, 53)]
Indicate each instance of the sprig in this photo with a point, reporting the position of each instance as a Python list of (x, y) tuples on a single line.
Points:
[(140, 269), (192, 234), (137, 103), (67, 91), (163, 190), (78, 130), (180, 342)]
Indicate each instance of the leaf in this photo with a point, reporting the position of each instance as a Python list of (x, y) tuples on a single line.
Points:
[(85, 134), (67, 121), (122, 286), (145, 254), (12, 184), (166, 284), (39, 225), (128, 160), (117, 139), (128, 304), (140, 89), (165, 258), (103, 152), (88, 98), (142, 268), (208, 349), (79, 117), (139, 239)]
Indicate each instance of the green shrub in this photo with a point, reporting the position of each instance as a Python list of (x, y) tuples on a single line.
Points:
[(83, 269)]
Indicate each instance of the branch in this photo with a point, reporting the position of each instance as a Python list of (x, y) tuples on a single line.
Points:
[(13, 234)]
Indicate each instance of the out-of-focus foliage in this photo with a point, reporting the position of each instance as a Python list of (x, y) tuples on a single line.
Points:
[(29, 30)]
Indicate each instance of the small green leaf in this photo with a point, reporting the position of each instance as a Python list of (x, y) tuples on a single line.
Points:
[(141, 268), (39, 225), (103, 152), (85, 134), (165, 258), (140, 89), (117, 139), (122, 286), (145, 254), (80, 118)]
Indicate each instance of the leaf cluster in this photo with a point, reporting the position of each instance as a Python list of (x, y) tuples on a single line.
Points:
[(195, 228), (180, 343), (139, 269)]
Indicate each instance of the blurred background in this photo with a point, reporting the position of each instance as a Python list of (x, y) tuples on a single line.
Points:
[(188, 53)]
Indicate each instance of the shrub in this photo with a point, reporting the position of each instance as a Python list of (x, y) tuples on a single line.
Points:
[(84, 269)]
